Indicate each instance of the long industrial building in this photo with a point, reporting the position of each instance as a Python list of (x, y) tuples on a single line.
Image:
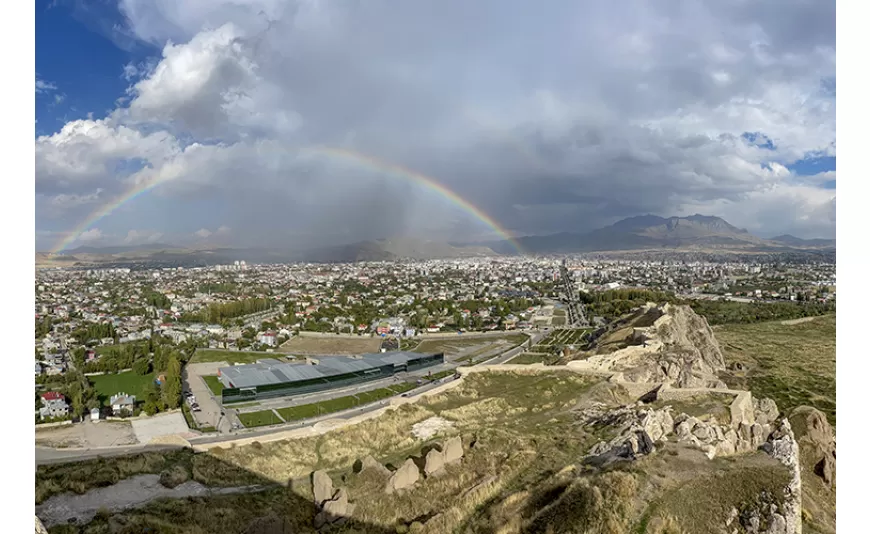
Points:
[(269, 378)]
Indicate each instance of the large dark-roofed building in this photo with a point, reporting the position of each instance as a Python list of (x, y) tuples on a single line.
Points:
[(269, 378)]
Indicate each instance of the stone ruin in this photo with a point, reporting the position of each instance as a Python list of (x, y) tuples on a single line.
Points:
[(333, 505), (431, 463)]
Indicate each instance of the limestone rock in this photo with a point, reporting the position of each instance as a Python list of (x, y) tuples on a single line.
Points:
[(406, 476), (742, 409), (369, 464), (40, 528), (322, 486), (434, 462), (765, 410), (757, 436), (334, 510), (453, 450)]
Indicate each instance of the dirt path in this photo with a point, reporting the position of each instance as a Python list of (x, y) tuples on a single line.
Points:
[(791, 322), (87, 434), (129, 493)]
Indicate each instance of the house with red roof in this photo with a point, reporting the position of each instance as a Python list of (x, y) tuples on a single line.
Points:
[(53, 405)]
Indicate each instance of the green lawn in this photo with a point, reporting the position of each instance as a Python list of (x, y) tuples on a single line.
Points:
[(794, 364), (442, 374), (232, 356), (305, 411), (262, 418), (128, 382), (528, 358), (214, 384)]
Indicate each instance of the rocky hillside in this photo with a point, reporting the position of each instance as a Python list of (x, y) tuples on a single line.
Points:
[(639, 435)]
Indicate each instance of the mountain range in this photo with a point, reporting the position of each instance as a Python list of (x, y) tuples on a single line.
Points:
[(701, 233)]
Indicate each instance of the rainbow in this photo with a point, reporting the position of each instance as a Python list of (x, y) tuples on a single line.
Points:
[(342, 154)]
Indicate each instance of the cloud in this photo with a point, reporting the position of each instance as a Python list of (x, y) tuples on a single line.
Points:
[(202, 233), (565, 117), (43, 87), (94, 235)]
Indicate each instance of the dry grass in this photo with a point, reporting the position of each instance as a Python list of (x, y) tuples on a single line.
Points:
[(794, 365), (331, 346)]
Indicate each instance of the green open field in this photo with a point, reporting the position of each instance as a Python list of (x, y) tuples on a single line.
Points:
[(231, 356), (305, 411), (214, 384), (261, 418), (794, 364), (127, 382), (329, 345)]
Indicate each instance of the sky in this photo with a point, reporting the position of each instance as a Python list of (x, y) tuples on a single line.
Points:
[(558, 116)]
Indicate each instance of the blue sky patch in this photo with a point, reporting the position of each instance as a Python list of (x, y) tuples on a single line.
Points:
[(813, 165), (758, 139)]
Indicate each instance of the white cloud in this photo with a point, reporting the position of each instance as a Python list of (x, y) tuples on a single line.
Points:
[(93, 235), (202, 233), (43, 86)]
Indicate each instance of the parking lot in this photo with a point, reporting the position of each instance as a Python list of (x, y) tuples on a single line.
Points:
[(209, 413)]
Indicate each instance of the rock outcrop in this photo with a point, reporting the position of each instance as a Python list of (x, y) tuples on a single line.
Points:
[(453, 450), (783, 446), (433, 462), (334, 511), (322, 486), (369, 464), (40, 528), (679, 348), (817, 442), (405, 476)]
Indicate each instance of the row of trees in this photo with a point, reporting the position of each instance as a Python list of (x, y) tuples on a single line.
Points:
[(223, 312), (728, 312), (94, 331)]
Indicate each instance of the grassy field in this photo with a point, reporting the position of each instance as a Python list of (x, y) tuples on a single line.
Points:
[(214, 384), (261, 418), (231, 356), (562, 337), (327, 346), (295, 413), (128, 382), (794, 364)]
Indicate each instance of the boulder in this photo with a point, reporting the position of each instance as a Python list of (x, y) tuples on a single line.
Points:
[(334, 510), (406, 476), (322, 486), (453, 450), (369, 464), (434, 462)]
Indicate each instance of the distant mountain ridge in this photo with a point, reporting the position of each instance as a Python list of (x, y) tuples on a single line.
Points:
[(702, 232), (644, 232)]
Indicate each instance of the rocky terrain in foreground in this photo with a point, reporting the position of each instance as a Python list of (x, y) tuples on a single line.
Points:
[(640, 435)]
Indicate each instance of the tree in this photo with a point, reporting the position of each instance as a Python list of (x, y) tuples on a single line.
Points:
[(142, 366), (172, 386)]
